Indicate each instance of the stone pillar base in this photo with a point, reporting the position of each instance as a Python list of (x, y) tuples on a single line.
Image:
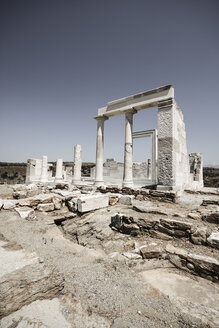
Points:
[(127, 184), (76, 181), (99, 183), (58, 181), (168, 188), (43, 180)]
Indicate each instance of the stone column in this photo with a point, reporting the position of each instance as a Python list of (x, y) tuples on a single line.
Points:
[(77, 164), (99, 151), (149, 169), (58, 177), (128, 162), (44, 170)]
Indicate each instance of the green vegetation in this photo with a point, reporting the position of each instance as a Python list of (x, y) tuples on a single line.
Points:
[(211, 177)]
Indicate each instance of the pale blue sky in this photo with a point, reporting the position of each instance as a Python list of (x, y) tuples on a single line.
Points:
[(62, 60)]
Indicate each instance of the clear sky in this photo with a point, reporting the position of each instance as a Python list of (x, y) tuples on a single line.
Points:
[(60, 60)]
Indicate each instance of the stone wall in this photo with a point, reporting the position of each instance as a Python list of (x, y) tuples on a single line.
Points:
[(113, 172), (173, 160)]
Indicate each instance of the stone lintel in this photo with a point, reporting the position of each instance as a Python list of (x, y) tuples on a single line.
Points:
[(139, 101)]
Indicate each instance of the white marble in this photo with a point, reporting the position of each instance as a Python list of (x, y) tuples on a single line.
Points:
[(59, 167), (99, 151), (44, 171), (77, 164), (128, 160), (92, 202)]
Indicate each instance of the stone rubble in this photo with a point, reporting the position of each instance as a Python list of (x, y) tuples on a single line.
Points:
[(26, 213), (213, 239), (163, 228)]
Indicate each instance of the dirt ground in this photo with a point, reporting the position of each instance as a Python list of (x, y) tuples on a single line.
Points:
[(98, 286)]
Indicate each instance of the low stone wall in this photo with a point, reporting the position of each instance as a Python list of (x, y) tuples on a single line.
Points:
[(142, 194), (166, 229)]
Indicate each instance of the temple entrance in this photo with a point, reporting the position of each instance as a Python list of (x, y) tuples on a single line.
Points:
[(145, 171)]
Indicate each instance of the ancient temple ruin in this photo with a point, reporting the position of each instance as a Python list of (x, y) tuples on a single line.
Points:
[(171, 166)]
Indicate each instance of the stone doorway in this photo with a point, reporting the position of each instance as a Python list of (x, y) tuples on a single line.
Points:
[(146, 172)]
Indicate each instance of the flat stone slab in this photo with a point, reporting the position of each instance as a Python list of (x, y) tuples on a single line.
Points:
[(23, 286), (198, 298), (9, 204), (90, 203), (48, 207), (12, 260), (40, 313), (26, 213)]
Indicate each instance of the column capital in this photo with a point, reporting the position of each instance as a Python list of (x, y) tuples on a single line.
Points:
[(101, 118), (130, 111)]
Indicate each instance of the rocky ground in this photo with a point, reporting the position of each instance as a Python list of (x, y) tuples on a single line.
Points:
[(147, 260)]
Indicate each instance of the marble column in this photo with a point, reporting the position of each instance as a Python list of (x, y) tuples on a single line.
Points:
[(128, 162), (99, 151), (59, 164), (77, 164), (44, 170), (149, 169)]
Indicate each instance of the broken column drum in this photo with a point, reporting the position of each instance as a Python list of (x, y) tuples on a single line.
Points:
[(77, 164)]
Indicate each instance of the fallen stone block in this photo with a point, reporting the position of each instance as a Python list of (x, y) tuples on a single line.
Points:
[(26, 213), (130, 229), (149, 209), (1, 204), (68, 195), (176, 250), (194, 216), (126, 200), (113, 198), (61, 186), (9, 204), (139, 197), (199, 235), (90, 203), (172, 232), (39, 199), (48, 207), (57, 201), (132, 256), (204, 266), (20, 194), (213, 239), (210, 202), (151, 251), (204, 263), (72, 204), (212, 217), (117, 221), (26, 285), (160, 235), (176, 224), (113, 201), (148, 223)]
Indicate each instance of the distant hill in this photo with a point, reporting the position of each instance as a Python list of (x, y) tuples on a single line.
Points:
[(13, 173)]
